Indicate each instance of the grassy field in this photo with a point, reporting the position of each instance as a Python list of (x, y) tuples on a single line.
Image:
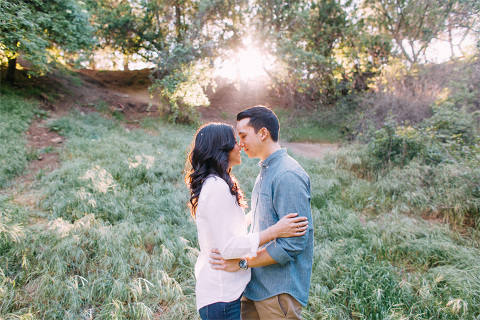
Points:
[(111, 237), (299, 126), (16, 115)]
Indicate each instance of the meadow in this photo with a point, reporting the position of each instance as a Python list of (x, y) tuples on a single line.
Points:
[(110, 235)]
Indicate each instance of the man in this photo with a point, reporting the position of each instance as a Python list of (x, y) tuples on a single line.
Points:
[(282, 269)]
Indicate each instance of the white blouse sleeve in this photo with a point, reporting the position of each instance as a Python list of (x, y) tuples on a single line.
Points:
[(219, 215)]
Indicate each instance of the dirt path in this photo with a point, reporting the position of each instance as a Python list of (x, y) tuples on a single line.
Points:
[(309, 150)]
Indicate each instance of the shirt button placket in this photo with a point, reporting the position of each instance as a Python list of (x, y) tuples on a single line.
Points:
[(255, 215)]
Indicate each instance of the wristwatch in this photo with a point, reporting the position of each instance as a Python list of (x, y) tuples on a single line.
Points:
[(243, 264)]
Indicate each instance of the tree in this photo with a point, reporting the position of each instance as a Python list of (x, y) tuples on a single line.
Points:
[(302, 35), (192, 36), (31, 28), (465, 19), (414, 24)]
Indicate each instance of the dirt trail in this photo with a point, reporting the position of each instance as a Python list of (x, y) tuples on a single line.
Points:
[(309, 150)]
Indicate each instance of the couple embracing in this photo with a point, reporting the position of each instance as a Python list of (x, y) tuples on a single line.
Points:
[(264, 273)]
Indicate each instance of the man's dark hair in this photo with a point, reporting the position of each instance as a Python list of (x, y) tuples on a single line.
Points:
[(261, 117)]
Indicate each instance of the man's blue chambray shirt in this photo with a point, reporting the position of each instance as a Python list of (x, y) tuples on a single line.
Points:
[(282, 187)]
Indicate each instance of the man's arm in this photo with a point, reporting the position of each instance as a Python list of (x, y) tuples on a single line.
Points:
[(291, 194), (262, 259)]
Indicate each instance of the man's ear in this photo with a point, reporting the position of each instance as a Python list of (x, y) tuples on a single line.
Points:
[(264, 133)]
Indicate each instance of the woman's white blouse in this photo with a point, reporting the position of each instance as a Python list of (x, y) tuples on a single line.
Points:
[(221, 224)]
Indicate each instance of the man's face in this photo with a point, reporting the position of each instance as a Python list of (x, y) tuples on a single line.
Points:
[(249, 140)]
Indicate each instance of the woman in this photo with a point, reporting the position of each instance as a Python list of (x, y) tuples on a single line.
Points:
[(217, 204)]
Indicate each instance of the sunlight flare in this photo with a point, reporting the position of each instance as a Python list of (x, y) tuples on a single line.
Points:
[(247, 65)]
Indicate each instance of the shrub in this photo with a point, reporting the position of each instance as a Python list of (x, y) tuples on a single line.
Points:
[(394, 144), (449, 122), (182, 90)]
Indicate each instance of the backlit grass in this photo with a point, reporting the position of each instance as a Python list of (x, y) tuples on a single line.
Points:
[(112, 238)]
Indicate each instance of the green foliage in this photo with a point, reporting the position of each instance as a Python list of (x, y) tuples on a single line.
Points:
[(437, 139), (15, 116), (120, 26), (450, 122), (182, 90), (302, 37), (396, 144), (33, 28)]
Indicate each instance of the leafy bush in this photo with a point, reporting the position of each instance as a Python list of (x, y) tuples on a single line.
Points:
[(182, 90), (436, 139), (450, 122), (395, 144)]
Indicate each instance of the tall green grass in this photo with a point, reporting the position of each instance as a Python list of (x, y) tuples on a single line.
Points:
[(15, 116), (112, 237), (117, 240), (384, 266), (308, 126)]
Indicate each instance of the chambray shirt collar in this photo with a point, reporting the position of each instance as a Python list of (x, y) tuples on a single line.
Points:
[(273, 158)]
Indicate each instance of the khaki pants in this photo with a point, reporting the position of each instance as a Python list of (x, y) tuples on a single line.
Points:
[(283, 306)]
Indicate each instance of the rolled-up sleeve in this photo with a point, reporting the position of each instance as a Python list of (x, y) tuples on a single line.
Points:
[(220, 215), (291, 194)]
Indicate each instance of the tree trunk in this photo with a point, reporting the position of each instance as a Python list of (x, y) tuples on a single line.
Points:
[(12, 65), (126, 60), (178, 21), (450, 41)]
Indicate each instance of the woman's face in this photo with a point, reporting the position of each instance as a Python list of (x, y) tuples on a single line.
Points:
[(234, 157)]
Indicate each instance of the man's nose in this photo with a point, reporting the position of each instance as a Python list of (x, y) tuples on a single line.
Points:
[(241, 144)]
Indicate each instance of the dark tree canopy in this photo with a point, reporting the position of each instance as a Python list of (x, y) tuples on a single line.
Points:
[(32, 28)]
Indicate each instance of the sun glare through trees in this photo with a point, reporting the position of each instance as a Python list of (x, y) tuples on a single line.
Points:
[(246, 65)]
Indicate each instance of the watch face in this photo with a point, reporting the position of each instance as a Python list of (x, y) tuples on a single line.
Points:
[(243, 264)]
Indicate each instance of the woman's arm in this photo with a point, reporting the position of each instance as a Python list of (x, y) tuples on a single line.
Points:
[(231, 265), (289, 226)]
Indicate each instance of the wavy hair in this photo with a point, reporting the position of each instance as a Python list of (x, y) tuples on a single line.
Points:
[(209, 154)]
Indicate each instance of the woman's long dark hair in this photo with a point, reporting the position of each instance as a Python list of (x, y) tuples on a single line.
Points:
[(209, 155)]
